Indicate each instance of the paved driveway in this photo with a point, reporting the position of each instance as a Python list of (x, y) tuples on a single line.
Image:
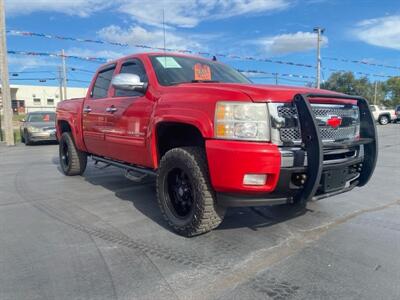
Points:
[(101, 236)]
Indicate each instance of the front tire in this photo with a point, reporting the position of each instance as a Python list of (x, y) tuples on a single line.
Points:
[(27, 139), (184, 193), (384, 120), (72, 161), (22, 136)]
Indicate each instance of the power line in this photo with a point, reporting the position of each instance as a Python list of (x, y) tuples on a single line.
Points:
[(102, 59), (81, 70), (57, 55), (279, 74), (33, 79), (31, 72), (78, 80), (363, 62), (233, 56)]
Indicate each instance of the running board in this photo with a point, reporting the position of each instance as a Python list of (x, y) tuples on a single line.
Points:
[(132, 172)]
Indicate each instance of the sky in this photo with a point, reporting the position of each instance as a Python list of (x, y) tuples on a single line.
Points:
[(279, 30)]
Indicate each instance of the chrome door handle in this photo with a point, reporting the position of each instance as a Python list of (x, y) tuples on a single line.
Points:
[(87, 109), (111, 109)]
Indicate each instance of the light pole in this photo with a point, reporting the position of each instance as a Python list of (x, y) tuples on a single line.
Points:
[(319, 31), (5, 85)]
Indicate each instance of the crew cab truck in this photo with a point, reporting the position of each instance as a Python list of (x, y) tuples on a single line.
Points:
[(215, 140)]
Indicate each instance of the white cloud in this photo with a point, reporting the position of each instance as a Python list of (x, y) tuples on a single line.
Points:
[(180, 13), (189, 13), (19, 63), (82, 8), (107, 54), (382, 32), (154, 38), (291, 42)]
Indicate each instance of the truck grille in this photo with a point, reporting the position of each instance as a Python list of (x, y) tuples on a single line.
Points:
[(285, 121)]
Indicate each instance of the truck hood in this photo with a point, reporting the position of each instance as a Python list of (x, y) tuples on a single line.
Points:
[(259, 92)]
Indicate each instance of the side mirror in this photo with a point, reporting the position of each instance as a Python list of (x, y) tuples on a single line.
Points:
[(23, 120), (128, 82)]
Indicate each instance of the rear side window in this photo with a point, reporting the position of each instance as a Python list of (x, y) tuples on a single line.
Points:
[(133, 66), (102, 84)]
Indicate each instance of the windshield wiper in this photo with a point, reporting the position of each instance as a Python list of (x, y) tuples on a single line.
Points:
[(193, 81), (204, 81)]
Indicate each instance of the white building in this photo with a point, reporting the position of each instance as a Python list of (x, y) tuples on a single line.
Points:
[(27, 98)]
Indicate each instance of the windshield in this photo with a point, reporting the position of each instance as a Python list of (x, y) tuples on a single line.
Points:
[(172, 70), (42, 117)]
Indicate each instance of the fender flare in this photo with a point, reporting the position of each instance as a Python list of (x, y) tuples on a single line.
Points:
[(195, 118)]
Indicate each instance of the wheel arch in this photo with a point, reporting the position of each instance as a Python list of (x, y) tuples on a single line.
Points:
[(64, 125), (173, 134)]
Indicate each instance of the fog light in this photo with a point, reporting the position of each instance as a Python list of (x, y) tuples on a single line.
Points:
[(255, 179)]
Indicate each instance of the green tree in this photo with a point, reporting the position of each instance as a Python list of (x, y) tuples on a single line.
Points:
[(346, 82), (392, 91)]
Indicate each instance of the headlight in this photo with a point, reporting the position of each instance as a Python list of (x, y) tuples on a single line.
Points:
[(241, 121), (34, 129)]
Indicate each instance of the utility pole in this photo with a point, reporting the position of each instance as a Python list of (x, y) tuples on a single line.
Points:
[(375, 91), (60, 82), (5, 85), (319, 32), (276, 78), (64, 71)]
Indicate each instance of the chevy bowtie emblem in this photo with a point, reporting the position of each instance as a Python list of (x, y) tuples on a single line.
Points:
[(334, 121)]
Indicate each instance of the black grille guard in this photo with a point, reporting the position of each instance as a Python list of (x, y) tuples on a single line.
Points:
[(312, 142)]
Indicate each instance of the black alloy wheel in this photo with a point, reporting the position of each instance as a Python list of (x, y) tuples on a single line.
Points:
[(179, 193), (64, 155)]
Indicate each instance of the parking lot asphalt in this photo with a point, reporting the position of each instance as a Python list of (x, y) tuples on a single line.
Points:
[(101, 236)]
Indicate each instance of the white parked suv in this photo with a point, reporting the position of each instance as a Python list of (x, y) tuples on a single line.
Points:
[(382, 114)]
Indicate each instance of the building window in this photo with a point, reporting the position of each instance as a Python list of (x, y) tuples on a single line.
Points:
[(50, 102), (36, 101)]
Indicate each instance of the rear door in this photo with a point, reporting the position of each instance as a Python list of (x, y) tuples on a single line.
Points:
[(131, 112), (96, 120)]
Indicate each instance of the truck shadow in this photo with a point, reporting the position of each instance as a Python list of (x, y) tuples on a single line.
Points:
[(143, 198)]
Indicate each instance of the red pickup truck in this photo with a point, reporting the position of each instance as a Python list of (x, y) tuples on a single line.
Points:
[(215, 140)]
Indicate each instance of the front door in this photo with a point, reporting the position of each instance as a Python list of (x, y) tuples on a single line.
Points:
[(131, 112), (96, 118)]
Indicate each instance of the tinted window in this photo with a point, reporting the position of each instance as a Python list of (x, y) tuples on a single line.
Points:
[(102, 83), (132, 67), (172, 70)]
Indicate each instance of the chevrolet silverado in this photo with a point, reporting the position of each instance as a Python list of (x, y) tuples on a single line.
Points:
[(215, 140)]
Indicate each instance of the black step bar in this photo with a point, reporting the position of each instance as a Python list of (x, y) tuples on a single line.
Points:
[(312, 142), (122, 165)]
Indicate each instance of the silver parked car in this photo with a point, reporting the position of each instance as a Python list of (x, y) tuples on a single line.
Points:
[(38, 126)]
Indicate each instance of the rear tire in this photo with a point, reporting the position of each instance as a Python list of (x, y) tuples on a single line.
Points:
[(384, 120), (184, 193), (72, 161)]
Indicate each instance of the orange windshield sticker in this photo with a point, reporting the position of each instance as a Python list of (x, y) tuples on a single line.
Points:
[(202, 72)]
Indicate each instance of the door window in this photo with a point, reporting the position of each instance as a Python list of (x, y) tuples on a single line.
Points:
[(102, 84), (134, 66)]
